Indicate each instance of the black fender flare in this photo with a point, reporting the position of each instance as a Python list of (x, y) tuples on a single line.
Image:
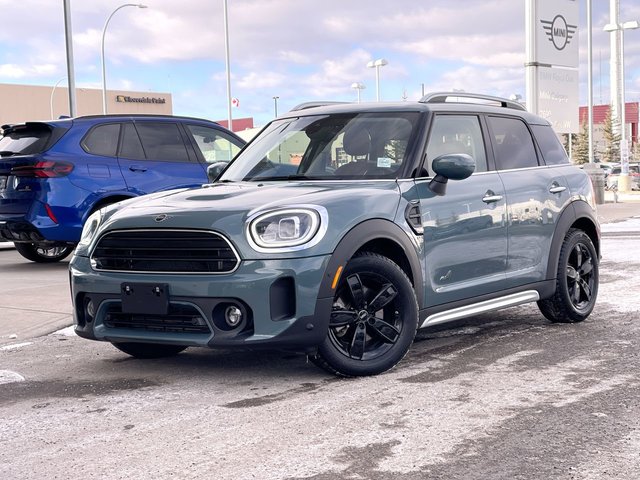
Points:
[(360, 235), (577, 210)]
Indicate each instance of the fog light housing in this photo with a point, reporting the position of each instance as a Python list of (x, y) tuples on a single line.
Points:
[(89, 309), (233, 316)]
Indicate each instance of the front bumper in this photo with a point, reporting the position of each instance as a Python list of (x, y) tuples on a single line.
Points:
[(278, 298)]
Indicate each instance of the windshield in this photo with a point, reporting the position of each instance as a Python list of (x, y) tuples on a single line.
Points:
[(327, 147), (25, 140)]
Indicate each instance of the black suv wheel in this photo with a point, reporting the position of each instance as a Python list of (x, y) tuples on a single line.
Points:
[(374, 318), (576, 281)]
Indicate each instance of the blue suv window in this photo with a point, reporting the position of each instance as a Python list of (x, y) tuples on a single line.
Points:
[(25, 139), (162, 141), (131, 145), (102, 140)]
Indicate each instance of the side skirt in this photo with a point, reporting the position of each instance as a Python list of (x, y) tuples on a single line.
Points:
[(456, 311)]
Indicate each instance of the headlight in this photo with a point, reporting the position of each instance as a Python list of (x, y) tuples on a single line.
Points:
[(90, 228), (287, 228)]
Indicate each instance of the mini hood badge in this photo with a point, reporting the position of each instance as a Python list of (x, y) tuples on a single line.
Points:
[(162, 217)]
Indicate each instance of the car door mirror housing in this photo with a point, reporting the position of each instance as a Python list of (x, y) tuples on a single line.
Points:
[(451, 166), (214, 170)]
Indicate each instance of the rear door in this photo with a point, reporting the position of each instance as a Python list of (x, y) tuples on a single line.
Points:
[(154, 156), (536, 194)]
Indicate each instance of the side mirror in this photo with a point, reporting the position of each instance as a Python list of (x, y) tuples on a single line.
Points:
[(451, 166), (214, 170)]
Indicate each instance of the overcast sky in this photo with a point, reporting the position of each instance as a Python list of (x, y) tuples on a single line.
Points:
[(298, 50)]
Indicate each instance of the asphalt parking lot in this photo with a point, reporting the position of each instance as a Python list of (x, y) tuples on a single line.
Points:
[(499, 396)]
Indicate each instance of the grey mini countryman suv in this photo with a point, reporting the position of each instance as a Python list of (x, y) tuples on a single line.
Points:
[(341, 229)]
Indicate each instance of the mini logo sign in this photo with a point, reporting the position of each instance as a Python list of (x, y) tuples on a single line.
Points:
[(162, 217), (128, 99), (558, 31)]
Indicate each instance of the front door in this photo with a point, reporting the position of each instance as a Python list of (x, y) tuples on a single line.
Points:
[(465, 232)]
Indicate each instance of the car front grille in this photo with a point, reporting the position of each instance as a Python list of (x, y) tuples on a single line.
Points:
[(164, 251), (179, 319)]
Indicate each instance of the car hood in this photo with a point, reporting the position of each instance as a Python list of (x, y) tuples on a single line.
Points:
[(225, 208)]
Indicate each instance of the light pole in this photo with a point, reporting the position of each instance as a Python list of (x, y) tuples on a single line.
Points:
[(358, 86), (104, 32), (275, 105), (227, 62), (52, 92), (624, 182), (381, 62)]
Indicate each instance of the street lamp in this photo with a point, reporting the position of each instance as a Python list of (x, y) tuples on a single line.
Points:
[(358, 86), (104, 32), (381, 62), (54, 91), (275, 105), (624, 180)]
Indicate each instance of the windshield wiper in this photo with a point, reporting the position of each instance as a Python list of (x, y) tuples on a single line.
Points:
[(6, 153), (284, 177)]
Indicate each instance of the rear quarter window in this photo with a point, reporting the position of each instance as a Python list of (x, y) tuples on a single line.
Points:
[(553, 152), (102, 140)]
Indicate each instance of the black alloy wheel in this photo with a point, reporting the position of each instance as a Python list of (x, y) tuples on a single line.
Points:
[(373, 321), (576, 282)]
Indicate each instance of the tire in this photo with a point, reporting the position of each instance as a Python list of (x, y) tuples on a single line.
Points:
[(577, 281), (43, 254), (374, 319), (149, 350)]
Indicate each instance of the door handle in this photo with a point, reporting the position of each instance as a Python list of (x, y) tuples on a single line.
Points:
[(491, 197), (137, 168), (555, 188)]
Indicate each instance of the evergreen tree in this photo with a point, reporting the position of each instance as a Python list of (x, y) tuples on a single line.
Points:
[(611, 151), (635, 152), (580, 152)]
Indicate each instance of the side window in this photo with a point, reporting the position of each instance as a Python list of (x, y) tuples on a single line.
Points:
[(131, 146), (102, 140), (162, 141), (214, 145), (457, 134), (513, 143), (552, 150)]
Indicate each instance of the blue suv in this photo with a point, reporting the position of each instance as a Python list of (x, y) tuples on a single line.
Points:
[(54, 174)]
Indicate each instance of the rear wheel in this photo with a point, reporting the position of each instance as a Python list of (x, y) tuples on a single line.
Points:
[(576, 281), (373, 321), (43, 253), (149, 350)]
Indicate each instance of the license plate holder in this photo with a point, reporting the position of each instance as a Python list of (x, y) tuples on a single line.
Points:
[(145, 298)]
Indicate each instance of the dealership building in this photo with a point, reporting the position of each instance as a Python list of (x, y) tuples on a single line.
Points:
[(23, 103)]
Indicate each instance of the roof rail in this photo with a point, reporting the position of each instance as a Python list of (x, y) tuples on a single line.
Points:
[(441, 97), (305, 105)]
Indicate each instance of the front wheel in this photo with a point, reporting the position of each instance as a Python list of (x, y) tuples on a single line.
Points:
[(576, 281), (373, 321), (43, 253), (149, 350)]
